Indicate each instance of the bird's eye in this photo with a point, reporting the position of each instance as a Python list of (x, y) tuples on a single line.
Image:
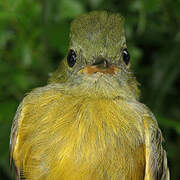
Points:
[(126, 56), (71, 58)]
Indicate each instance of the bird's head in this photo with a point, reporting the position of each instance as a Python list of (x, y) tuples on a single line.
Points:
[(98, 61)]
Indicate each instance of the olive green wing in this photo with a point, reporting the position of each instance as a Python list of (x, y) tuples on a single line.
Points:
[(13, 138), (156, 160)]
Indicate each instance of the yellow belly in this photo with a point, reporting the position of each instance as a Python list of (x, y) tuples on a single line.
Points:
[(79, 138)]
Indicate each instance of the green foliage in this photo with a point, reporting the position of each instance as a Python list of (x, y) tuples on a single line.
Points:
[(34, 38)]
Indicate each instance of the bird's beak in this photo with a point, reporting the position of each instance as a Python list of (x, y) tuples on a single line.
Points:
[(101, 65)]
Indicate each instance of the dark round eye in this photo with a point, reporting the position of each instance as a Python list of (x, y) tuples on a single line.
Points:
[(126, 56), (71, 58)]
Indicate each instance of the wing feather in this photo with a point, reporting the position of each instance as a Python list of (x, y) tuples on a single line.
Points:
[(156, 160), (13, 137)]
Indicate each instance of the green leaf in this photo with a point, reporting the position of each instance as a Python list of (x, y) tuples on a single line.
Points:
[(95, 3), (70, 8), (58, 36), (169, 123)]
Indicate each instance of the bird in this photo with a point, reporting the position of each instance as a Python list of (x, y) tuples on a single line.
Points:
[(88, 122)]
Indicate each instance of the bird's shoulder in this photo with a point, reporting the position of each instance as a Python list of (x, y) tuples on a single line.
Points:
[(33, 106)]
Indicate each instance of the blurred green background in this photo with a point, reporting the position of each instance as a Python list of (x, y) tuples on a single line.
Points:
[(34, 38)]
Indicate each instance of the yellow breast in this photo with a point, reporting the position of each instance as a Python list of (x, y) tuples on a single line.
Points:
[(67, 137)]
